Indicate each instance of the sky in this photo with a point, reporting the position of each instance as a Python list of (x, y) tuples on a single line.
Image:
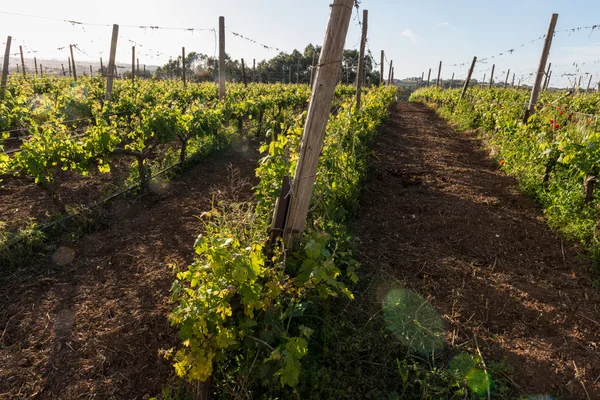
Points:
[(416, 35)]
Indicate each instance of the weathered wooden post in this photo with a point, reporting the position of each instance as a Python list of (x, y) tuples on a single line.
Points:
[(132, 64), (589, 83), (5, 67), (547, 75), (452, 81), (437, 83), (468, 80), (492, 76), (244, 73), (541, 68), (183, 67), (506, 80), (381, 81), (36, 68), (428, 77), (317, 118), (22, 61), (73, 61), (221, 58), (361, 58), (111, 61), (390, 73)]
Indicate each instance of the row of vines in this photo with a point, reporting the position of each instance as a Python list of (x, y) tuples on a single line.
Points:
[(241, 310), (555, 156)]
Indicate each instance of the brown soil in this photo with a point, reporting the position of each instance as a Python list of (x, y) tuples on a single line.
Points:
[(440, 218), (88, 320)]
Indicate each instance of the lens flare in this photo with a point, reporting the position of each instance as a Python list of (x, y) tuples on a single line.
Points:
[(159, 186), (413, 320), (478, 381)]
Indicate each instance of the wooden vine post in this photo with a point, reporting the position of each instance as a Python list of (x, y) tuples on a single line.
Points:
[(437, 83), (589, 83), (101, 68), (541, 68), (73, 62), (22, 60), (452, 81), (63, 69), (544, 85), (390, 72), (183, 67), (492, 76), (381, 81), (137, 69), (422, 77), (361, 58), (132, 64), (221, 58), (317, 118), (548, 82), (483, 80), (5, 67), (36, 68), (428, 77), (468, 80), (506, 80), (111, 61), (244, 73)]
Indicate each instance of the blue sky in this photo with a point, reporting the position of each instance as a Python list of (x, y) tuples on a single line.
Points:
[(415, 34)]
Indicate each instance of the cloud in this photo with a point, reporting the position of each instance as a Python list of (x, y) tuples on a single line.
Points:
[(411, 35), (446, 25)]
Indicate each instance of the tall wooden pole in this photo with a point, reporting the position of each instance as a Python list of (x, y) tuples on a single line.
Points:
[(468, 80), (483, 81), (361, 58), (63, 69), (437, 83), (579, 83), (102, 74), (381, 81), (91, 71), (41, 70), (111, 61), (506, 80), (22, 61), (548, 81), (452, 81), (5, 67), (492, 76), (36, 68), (73, 61), (589, 83), (183, 67), (221, 58), (428, 77), (541, 68), (244, 73), (317, 118), (390, 73), (132, 64)]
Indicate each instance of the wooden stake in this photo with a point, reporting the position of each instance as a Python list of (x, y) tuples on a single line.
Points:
[(513, 81), (361, 58), (422, 78), (253, 70), (22, 61), (544, 85), (483, 80), (91, 71), (41, 70), (317, 117), (390, 73), (244, 73), (492, 76), (101, 68), (5, 67), (36, 68), (579, 83), (452, 81), (313, 70), (63, 69), (428, 77), (589, 83), (111, 61), (548, 81), (381, 81), (464, 91), (541, 68), (183, 66), (506, 80), (73, 61), (133, 64), (221, 58), (437, 83)]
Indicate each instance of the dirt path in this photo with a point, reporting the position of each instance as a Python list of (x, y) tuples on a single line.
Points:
[(440, 218), (93, 327)]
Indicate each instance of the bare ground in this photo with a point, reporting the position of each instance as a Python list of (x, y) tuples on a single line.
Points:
[(88, 320), (440, 218)]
